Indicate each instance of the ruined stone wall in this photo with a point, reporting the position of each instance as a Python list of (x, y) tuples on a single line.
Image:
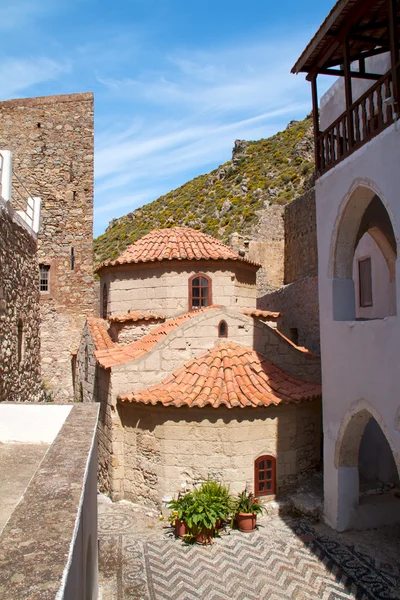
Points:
[(165, 288), (165, 448), (301, 255), (20, 380), (52, 143)]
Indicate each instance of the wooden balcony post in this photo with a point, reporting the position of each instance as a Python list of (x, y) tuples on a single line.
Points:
[(314, 93), (348, 92), (394, 51)]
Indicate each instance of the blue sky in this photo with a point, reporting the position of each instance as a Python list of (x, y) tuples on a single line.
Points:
[(175, 81)]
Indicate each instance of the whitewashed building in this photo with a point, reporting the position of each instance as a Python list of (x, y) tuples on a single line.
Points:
[(357, 148)]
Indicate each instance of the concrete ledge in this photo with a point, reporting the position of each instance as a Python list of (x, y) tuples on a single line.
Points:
[(40, 544)]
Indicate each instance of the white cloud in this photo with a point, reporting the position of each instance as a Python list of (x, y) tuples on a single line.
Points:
[(17, 75), (191, 111)]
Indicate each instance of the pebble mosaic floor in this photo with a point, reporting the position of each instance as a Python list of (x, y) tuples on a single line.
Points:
[(285, 559)]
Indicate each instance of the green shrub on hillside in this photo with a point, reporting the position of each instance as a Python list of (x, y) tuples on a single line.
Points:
[(273, 170)]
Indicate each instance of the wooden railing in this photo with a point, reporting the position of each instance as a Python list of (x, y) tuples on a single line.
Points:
[(366, 117)]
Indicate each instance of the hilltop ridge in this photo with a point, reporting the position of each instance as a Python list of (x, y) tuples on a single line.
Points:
[(229, 199)]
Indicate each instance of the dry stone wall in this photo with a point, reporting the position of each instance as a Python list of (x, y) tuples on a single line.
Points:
[(20, 379), (52, 143)]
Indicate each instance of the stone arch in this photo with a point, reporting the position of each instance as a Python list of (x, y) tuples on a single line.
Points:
[(362, 211), (351, 431), (349, 461)]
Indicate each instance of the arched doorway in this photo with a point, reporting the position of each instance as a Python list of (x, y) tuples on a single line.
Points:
[(364, 258), (368, 476)]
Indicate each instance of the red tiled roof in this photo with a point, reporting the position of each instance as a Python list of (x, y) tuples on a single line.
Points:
[(98, 330), (117, 355), (229, 375), (136, 316), (176, 243), (261, 314)]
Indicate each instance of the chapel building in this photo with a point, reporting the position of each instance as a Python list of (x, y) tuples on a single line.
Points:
[(192, 379)]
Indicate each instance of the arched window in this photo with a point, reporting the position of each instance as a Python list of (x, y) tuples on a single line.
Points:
[(86, 363), (20, 341), (199, 291), (223, 329), (265, 475), (105, 302)]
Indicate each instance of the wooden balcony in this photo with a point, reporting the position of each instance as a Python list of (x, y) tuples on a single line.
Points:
[(368, 116)]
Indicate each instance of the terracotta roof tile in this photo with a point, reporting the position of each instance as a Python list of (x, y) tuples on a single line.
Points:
[(176, 243), (136, 316), (110, 356), (261, 314), (231, 375), (99, 332)]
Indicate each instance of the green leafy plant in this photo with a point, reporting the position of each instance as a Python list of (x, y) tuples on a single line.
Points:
[(247, 503), (180, 506)]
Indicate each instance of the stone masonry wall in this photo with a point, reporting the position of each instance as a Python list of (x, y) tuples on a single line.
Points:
[(266, 246), (298, 299), (165, 289), (301, 256), (19, 302), (52, 143), (298, 303), (165, 448)]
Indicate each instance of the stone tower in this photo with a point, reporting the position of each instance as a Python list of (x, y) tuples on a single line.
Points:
[(52, 139)]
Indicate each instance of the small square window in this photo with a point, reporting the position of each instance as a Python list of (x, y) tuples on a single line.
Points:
[(44, 278)]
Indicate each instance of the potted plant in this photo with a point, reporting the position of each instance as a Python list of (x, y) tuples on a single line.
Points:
[(211, 505), (179, 509), (247, 508)]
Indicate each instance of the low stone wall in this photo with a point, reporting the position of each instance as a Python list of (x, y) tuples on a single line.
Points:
[(299, 305), (19, 311), (168, 447)]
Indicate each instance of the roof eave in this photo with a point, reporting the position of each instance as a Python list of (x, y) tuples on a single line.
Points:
[(322, 31)]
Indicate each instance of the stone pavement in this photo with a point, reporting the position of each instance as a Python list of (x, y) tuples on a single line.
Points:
[(287, 558)]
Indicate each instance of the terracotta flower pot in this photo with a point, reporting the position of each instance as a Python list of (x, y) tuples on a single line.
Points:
[(180, 528), (204, 537), (246, 522)]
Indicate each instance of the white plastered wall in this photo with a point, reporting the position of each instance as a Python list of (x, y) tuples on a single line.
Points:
[(359, 358), (383, 290)]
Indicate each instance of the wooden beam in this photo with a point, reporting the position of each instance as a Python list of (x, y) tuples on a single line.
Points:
[(367, 39), (332, 45), (360, 55), (371, 26), (314, 95), (354, 74)]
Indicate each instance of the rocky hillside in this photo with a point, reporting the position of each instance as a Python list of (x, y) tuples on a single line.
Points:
[(230, 198)]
